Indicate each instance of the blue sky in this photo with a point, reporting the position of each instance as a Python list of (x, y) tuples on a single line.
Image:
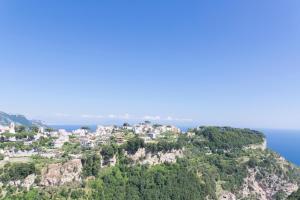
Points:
[(184, 62)]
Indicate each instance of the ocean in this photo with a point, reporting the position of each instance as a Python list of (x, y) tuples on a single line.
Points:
[(284, 142)]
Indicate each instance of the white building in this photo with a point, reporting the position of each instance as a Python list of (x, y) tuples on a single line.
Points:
[(63, 136), (86, 142), (104, 130), (41, 130), (59, 142), (80, 132), (2, 129), (9, 129)]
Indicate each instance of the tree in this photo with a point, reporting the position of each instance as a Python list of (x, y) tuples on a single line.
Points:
[(18, 171), (126, 124), (34, 129), (134, 144), (107, 152), (86, 128), (48, 129), (295, 196), (91, 164), (20, 129)]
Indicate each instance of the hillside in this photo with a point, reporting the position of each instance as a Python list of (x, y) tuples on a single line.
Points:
[(6, 119), (207, 163)]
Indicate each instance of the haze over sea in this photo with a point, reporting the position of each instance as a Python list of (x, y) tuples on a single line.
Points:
[(284, 142)]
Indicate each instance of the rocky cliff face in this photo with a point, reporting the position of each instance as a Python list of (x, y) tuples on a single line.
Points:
[(266, 188), (264, 183), (59, 174), (262, 146), (143, 157), (26, 183)]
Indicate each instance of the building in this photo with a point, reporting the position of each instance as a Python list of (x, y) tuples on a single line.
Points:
[(85, 142), (63, 136), (80, 132), (41, 130), (61, 140), (9, 129)]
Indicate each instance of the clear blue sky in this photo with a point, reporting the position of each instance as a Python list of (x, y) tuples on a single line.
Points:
[(227, 62)]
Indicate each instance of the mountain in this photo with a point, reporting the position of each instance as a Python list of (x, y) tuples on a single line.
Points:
[(19, 120)]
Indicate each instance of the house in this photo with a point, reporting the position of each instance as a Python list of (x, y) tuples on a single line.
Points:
[(59, 142), (119, 138), (9, 129), (2, 129), (12, 128), (80, 132), (38, 136), (41, 130), (12, 139), (190, 134), (85, 142), (138, 129), (142, 128)]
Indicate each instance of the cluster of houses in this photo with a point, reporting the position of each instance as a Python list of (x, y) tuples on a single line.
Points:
[(87, 138), (103, 134)]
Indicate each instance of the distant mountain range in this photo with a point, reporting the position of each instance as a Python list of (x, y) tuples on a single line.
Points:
[(6, 119)]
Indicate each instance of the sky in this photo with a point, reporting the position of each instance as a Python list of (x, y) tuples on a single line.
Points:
[(225, 62)]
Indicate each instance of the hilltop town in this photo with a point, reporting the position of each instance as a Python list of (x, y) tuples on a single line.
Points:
[(48, 142), (141, 161)]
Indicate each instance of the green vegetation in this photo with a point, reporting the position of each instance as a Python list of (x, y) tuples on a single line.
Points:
[(16, 171), (226, 138), (214, 161), (295, 196), (16, 145), (19, 135), (91, 164), (134, 144), (44, 142), (71, 148), (141, 182), (20, 129), (163, 146), (108, 151), (34, 129)]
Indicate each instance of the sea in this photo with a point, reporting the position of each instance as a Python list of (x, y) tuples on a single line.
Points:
[(284, 142)]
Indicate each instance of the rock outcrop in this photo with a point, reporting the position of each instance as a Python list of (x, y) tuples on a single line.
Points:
[(227, 196), (111, 162), (26, 183), (143, 157), (29, 181), (60, 174), (266, 188), (262, 146)]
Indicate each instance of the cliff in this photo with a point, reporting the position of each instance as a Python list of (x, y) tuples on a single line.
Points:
[(143, 157), (214, 163), (60, 174)]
